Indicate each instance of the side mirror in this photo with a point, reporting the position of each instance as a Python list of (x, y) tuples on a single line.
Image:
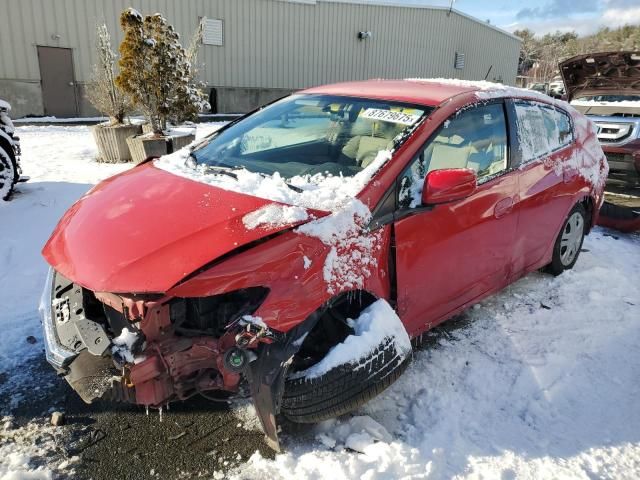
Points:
[(448, 185)]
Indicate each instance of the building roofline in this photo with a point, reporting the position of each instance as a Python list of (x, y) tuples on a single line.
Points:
[(383, 3)]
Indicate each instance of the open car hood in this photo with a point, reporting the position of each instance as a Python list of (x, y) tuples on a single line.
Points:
[(606, 73), (147, 229)]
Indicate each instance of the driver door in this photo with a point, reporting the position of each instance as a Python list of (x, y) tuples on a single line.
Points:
[(451, 254)]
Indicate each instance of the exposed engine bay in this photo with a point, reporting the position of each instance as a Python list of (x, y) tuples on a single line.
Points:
[(156, 350)]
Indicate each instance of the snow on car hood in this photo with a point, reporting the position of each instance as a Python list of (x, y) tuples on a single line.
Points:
[(605, 73), (329, 193), (352, 249), (146, 229)]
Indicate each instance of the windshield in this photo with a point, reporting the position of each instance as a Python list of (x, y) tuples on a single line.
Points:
[(311, 134)]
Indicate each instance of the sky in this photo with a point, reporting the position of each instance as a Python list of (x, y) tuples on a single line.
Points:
[(543, 16)]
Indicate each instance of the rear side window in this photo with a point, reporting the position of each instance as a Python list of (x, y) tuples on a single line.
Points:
[(542, 129)]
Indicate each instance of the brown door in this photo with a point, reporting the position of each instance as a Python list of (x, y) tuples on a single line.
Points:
[(58, 83)]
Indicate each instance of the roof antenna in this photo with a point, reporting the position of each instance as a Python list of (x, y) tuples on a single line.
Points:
[(450, 7)]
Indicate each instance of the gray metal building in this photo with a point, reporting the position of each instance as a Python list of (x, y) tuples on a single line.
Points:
[(254, 51)]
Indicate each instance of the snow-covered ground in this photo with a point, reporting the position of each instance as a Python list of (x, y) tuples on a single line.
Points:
[(539, 381)]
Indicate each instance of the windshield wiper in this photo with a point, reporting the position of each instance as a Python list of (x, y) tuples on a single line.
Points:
[(293, 187), (220, 171), (229, 173)]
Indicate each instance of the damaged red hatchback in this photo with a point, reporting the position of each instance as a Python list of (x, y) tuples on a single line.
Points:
[(297, 253)]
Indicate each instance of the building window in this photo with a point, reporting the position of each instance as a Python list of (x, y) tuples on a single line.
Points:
[(212, 31)]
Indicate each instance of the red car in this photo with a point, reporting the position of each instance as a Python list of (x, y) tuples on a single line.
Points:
[(295, 253)]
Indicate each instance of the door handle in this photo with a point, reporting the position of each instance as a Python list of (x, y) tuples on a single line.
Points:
[(503, 207)]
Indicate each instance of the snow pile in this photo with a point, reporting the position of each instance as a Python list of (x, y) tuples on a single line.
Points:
[(31, 452), (320, 192), (352, 254), (245, 412), (376, 325), (274, 215), (124, 346), (538, 382)]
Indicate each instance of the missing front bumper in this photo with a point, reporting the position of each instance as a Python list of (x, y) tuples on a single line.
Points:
[(58, 356)]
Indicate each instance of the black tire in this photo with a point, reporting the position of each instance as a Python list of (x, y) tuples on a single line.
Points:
[(8, 173), (344, 388), (569, 240)]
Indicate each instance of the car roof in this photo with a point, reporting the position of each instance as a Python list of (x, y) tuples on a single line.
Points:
[(429, 92)]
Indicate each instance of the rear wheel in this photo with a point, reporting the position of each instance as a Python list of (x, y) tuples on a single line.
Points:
[(569, 241), (8, 174)]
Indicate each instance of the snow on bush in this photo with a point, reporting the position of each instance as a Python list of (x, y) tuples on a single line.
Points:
[(376, 325), (103, 92), (156, 71)]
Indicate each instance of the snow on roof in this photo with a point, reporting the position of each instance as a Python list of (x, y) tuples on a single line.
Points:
[(486, 89)]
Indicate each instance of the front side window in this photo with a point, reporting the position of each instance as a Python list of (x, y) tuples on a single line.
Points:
[(475, 138), (312, 134)]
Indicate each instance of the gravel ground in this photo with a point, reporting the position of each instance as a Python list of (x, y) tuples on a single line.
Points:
[(106, 441)]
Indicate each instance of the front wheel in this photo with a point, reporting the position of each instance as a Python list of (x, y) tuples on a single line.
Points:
[(569, 241), (345, 387), (344, 363)]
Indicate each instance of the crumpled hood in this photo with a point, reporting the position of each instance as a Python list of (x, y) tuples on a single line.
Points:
[(606, 73), (146, 229)]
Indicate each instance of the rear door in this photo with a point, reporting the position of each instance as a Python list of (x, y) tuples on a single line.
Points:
[(451, 254), (544, 142)]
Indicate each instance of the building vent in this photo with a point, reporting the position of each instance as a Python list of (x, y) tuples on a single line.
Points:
[(459, 61), (212, 31)]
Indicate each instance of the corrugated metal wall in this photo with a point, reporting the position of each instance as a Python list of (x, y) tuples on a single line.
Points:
[(269, 43)]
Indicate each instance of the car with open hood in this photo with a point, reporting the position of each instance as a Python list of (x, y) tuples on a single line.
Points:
[(297, 254), (606, 87)]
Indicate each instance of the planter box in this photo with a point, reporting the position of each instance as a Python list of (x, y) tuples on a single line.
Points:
[(142, 148), (146, 128), (112, 142)]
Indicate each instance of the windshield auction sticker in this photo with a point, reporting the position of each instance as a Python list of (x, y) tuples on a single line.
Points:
[(389, 116)]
